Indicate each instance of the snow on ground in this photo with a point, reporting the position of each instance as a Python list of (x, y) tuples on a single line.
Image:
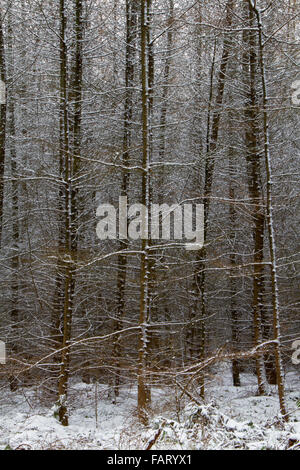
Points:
[(231, 418)]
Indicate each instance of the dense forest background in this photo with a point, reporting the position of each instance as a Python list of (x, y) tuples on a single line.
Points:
[(170, 102)]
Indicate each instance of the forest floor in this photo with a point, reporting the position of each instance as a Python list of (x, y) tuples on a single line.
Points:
[(231, 418)]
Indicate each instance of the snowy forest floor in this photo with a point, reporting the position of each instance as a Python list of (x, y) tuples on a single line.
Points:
[(231, 418)]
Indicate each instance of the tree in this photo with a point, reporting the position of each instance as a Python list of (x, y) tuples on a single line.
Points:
[(270, 220)]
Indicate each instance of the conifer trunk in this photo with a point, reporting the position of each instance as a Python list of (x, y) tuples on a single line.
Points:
[(270, 218), (144, 393)]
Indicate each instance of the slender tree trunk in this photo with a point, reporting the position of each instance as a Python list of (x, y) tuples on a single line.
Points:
[(2, 122), (233, 262), (212, 140), (165, 94), (56, 328), (68, 260), (77, 118), (167, 339), (15, 313), (254, 177), (270, 218), (144, 394), (131, 25), (152, 281)]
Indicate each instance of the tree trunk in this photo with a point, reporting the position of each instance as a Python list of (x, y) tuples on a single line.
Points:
[(131, 24), (270, 219), (253, 161), (2, 122), (198, 338), (233, 262), (68, 261), (15, 313), (144, 394)]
